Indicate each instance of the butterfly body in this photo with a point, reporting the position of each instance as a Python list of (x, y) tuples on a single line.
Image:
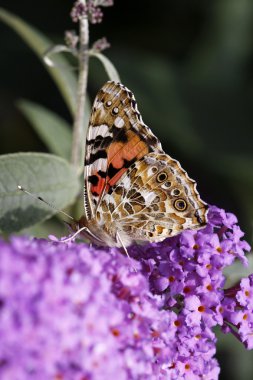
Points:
[(103, 234), (133, 190)]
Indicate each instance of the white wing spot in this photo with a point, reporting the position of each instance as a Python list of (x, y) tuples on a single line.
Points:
[(102, 130), (119, 122), (99, 164)]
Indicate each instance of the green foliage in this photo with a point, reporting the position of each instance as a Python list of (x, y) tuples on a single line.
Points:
[(62, 72), (48, 176), (108, 66), (52, 129), (236, 271)]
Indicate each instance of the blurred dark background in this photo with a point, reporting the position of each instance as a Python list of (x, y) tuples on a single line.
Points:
[(190, 65)]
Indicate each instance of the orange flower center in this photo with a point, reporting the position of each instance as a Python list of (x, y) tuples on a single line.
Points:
[(115, 332), (177, 323), (187, 289)]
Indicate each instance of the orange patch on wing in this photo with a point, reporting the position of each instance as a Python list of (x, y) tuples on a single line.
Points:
[(134, 148), (118, 152), (117, 176), (115, 155)]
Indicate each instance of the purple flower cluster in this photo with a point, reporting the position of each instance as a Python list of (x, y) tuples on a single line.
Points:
[(69, 312), (90, 9), (187, 272), (238, 311)]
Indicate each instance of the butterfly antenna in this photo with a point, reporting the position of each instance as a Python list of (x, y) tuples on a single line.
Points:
[(43, 200)]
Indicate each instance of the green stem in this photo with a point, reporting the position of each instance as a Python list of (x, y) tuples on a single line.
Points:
[(81, 88)]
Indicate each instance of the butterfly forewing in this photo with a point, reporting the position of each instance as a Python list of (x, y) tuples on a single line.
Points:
[(117, 137)]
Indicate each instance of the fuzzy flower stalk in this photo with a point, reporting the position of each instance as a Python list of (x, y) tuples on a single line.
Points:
[(83, 12), (70, 312)]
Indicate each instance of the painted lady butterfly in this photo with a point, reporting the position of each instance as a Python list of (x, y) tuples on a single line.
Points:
[(133, 190)]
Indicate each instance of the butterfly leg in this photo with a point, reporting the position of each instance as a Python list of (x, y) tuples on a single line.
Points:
[(124, 248)]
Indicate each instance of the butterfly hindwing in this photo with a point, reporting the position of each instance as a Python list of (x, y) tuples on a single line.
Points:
[(155, 199), (116, 138)]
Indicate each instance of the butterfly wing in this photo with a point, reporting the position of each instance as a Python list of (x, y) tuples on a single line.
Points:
[(117, 137), (155, 199)]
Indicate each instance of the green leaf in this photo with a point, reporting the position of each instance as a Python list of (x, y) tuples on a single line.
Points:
[(54, 131), (62, 72), (45, 228), (237, 271), (109, 67), (45, 175)]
